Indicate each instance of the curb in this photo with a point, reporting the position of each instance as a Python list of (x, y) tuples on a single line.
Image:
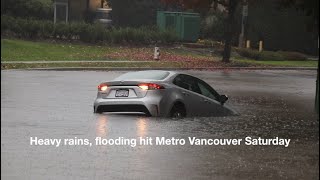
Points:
[(84, 61), (165, 68)]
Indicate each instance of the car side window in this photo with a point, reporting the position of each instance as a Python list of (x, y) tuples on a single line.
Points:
[(207, 90), (187, 82), (181, 81)]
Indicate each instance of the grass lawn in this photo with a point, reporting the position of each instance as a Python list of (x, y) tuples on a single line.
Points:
[(280, 63), (90, 64), (21, 50)]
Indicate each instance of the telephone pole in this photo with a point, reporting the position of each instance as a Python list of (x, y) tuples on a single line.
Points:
[(243, 22)]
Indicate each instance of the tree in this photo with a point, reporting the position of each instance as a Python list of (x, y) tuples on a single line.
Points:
[(230, 5), (39, 9), (309, 7)]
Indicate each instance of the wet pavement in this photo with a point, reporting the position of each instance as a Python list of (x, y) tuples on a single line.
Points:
[(58, 104)]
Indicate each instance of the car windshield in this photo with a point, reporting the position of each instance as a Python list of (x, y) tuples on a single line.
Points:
[(153, 75)]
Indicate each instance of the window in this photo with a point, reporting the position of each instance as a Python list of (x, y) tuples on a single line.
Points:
[(181, 81), (187, 82), (152, 75), (207, 90), (196, 85), (60, 11)]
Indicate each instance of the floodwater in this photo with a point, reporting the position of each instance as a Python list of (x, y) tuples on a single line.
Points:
[(58, 104)]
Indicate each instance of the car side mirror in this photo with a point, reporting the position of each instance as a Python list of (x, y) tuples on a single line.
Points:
[(223, 99)]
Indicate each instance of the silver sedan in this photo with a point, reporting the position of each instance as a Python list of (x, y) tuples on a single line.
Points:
[(160, 93)]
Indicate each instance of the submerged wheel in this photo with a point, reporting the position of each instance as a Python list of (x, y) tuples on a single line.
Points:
[(178, 111)]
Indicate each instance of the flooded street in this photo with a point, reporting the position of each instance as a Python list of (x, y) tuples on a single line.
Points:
[(59, 104)]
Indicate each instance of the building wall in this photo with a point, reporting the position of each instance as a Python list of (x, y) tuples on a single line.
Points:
[(94, 4), (135, 12), (77, 9)]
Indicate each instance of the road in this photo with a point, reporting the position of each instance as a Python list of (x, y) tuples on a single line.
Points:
[(58, 104)]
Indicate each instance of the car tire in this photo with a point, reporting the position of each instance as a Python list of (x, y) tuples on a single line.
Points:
[(178, 111)]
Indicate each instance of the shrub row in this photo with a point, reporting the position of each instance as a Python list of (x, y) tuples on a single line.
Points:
[(271, 55), (31, 28)]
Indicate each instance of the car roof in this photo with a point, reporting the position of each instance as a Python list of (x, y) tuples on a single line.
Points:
[(171, 73)]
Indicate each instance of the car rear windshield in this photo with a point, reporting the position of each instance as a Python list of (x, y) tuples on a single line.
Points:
[(153, 75)]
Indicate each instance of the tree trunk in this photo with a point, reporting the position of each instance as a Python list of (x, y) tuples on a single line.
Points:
[(232, 6)]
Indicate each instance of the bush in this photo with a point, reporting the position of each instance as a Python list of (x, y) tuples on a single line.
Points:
[(294, 56), (248, 53), (168, 36), (211, 43), (91, 33), (31, 28), (61, 30), (46, 29), (271, 55), (6, 22)]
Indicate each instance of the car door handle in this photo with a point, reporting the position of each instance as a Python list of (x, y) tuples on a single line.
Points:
[(185, 93), (206, 101)]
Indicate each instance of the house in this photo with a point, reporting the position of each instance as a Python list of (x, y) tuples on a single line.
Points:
[(75, 10), (124, 12)]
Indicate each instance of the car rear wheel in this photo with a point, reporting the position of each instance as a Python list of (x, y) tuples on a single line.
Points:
[(178, 111)]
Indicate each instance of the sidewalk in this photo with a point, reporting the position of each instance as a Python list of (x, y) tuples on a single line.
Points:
[(166, 68), (76, 61), (128, 67)]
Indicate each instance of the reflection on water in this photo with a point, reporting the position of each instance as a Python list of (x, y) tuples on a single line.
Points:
[(141, 126), (101, 126)]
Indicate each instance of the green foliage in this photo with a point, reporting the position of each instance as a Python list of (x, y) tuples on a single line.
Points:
[(31, 28), (213, 26), (61, 30), (284, 28), (39, 9), (91, 33), (46, 29), (271, 55), (293, 56), (248, 53), (7, 23)]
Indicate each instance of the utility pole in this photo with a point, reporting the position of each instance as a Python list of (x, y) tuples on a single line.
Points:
[(317, 86), (243, 22)]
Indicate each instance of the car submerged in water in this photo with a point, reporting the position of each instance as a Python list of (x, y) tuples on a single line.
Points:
[(160, 93)]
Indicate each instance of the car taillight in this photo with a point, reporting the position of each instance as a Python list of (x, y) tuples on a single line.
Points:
[(150, 86), (102, 87)]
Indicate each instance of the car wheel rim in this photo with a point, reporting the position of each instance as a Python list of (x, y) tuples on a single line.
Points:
[(177, 115)]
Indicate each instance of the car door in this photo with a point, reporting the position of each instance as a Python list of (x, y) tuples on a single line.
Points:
[(189, 95), (209, 99)]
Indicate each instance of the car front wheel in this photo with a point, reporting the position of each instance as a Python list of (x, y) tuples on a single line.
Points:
[(178, 111)]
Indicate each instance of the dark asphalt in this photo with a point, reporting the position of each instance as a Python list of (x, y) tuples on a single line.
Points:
[(58, 104)]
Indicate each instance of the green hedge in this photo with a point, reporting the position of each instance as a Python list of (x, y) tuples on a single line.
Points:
[(31, 28), (271, 55)]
